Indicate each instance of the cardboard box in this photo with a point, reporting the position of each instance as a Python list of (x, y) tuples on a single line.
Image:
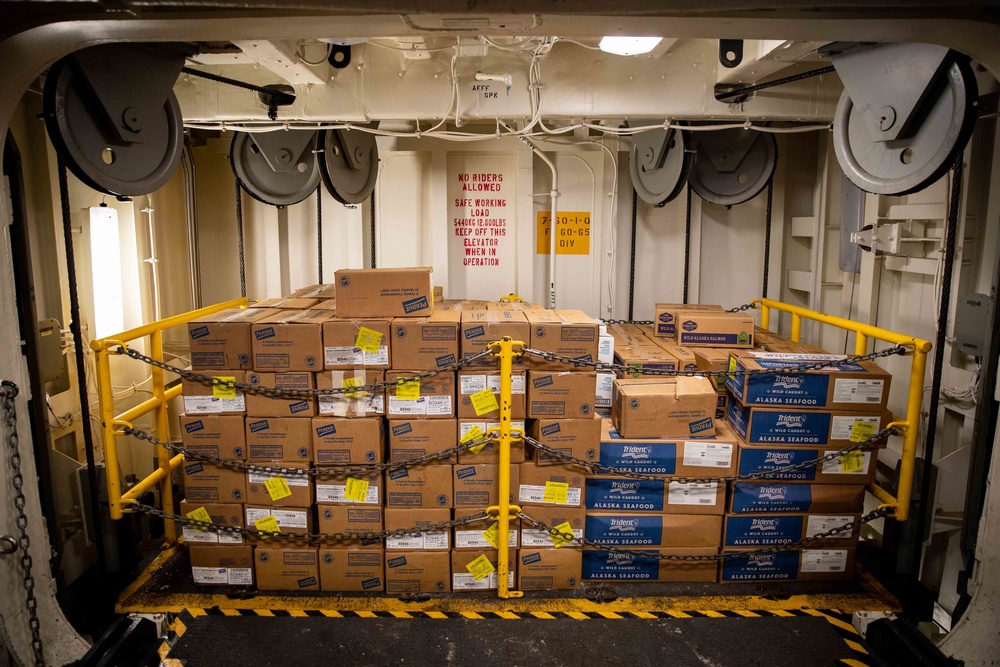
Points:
[(208, 482), (426, 343), (664, 316), (417, 437), (418, 572), (478, 486), (713, 359), (203, 399), (462, 579), (279, 439), (549, 569), (353, 404), (552, 516), (215, 435), (746, 531), (721, 406), (647, 356), (289, 340), (627, 334), (222, 340), (346, 519), (566, 395), (599, 565), (438, 292), (419, 486), (754, 497), (470, 535), (605, 390), (342, 441), (332, 483), (706, 328), (340, 337), (490, 453), (862, 387), (318, 291), (223, 514), (397, 518), (301, 487), (287, 303), (471, 382), (533, 478), (653, 530), (795, 426), (327, 304), (350, 570), (686, 360), (579, 438), (664, 408), (682, 457), (512, 305), (384, 292), (482, 327), (623, 494), (793, 565), (221, 565), (260, 405), (568, 333), (287, 568), (766, 458), (291, 520), (437, 397)]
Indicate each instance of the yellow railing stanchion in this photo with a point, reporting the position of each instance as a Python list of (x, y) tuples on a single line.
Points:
[(505, 516), (163, 433), (906, 462), (796, 327), (107, 412), (860, 344), (765, 317)]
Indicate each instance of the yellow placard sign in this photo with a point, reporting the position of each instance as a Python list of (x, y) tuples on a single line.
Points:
[(481, 568), (408, 391), (852, 462), (221, 390), (357, 489), (368, 340), (277, 488), (861, 431), (267, 524), (200, 514), (474, 433), (556, 492), (564, 528), (572, 233), (484, 401), (492, 535)]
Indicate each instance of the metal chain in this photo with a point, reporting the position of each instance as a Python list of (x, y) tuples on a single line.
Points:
[(311, 537), (745, 306), (869, 443), (8, 391), (274, 97), (239, 234)]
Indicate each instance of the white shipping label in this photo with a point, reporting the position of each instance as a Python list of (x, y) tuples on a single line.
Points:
[(834, 467), (435, 539), (202, 536), (463, 581), (708, 454), (211, 575), (399, 406), (868, 392), (528, 493), (334, 493), (692, 494), (464, 427), (516, 383), (207, 405), (376, 404), (798, 357), (240, 576), (824, 560), (605, 382), (473, 539), (342, 356), (470, 384), (438, 405), (818, 523), (380, 358), (842, 425), (606, 349), (293, 480), (284, 518), (533, 537)]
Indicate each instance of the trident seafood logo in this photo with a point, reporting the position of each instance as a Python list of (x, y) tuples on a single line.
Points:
[(764, 525), (788, 381), (623, 526), (778, 458), (624, 489), (761, 560), (791, 421), (620, 559), (637, 452), (772, 492)]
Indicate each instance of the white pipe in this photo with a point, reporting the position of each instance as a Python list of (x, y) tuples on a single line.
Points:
[(554, 195), (151, 260)]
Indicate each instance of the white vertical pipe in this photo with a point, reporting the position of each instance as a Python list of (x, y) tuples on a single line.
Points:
[(554, 196)]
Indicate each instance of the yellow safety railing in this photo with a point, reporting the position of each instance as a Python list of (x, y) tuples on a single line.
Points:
[(909, 426), (111, 424)]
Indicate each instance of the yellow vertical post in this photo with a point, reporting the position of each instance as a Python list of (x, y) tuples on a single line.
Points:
[(163, 433), (765, 317), (107, 412), (906, 462), (504, 516), (860, 344), (796, 327)]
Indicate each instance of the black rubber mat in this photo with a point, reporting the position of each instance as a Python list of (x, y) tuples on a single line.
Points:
[(222, 641)]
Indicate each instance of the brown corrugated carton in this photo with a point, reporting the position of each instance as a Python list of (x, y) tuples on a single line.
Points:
[(751, 531), (419, 486), (222, 514), (331, 484), (340, 339), (279, 439), (411, 438), (438, 292), (400, 518), (289, 340), (706, 328), (513, 305), (301, 486), (664, 407), (647, 356), (261, 405), (203, 399), (671, 457), (857, 468), (436, 401), (384, 292), (579, 438), (563, 395), (713, 359), (286, 303), (342, 441), (490, 453), (367, 403), (599, 565), (418, 572), (625, 335), (358, 519), (222, 340), (664, 318), (549, 569), (208, 482), (482, 327), (568, 333), (427, 343), (215, 435), (477, 485), (475, 381), (291, 520), (287, 568), (350, 570), (647, 529), (793, 565), (318, 291), (790, 425), (756, 497), (221, 565), (470, 535), (552, 516), (686, 360), (463, 580), (533, 479), (625, 494)]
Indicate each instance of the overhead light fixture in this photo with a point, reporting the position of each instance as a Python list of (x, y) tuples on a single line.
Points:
[(629, 46)]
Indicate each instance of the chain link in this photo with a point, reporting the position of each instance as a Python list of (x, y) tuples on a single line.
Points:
[(8, 391), (745, 306), (737, 309), (730, 555)]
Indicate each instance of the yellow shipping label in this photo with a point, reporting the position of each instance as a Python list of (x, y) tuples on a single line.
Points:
[(480, 568), (492, 535), (572, 233), (732, 364), (852, 462), (356, 490), (267, 524), (408, 391), (222, 391), (350, 383), (368, 340), (474, 433), (484, 401), (861, 431), (277, 488), (556, 492), (564, 527), (200, 514)]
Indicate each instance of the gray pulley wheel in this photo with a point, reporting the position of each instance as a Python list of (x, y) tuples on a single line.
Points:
[(732, 166), (349, 164), (659, 162), (910, 164), (278, 168)]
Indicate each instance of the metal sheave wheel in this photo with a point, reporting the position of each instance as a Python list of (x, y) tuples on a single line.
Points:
[(349, 164), (278, 168), (659, 162), (732, 166)]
